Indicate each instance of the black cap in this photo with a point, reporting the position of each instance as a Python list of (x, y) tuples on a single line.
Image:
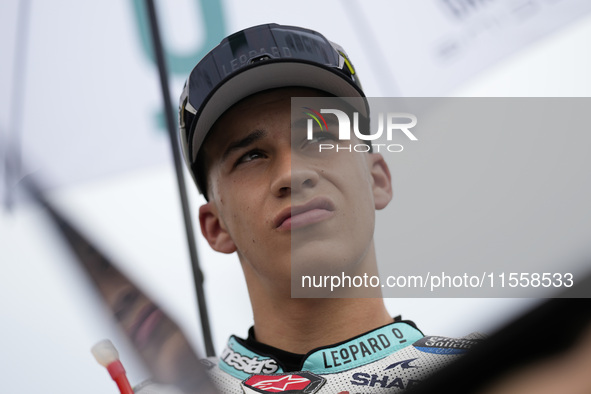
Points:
[(254, 60)]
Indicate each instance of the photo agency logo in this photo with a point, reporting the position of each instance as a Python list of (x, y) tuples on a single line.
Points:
[(395, 122)]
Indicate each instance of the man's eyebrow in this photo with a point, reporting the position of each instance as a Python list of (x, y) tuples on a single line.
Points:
[(244, 142), (302, 122), (299, 123)]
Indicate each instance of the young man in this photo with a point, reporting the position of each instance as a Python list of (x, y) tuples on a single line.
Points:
[(278, 202)]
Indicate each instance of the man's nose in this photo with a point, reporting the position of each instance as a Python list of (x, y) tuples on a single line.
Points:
[(293, 174)]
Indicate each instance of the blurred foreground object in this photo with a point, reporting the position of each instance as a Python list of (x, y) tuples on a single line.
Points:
[(159, 341), (547, 350), (105, 354), (567, 373)]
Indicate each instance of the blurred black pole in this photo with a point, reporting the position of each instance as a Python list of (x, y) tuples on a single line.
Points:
[(12, 147), (178, 166)]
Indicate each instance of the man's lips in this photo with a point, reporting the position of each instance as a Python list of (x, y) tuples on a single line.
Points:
[(315, 210), (141, 331)]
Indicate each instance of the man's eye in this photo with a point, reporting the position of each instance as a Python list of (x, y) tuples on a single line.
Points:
[(320, 136), (250, 156)]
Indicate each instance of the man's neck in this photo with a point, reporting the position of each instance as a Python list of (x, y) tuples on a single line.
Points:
[(300, 325)]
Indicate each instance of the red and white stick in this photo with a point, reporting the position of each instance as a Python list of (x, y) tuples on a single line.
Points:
[(106, 355)]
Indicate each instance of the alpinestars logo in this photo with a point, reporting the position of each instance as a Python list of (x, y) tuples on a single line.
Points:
[(247, 364), (301, 382)]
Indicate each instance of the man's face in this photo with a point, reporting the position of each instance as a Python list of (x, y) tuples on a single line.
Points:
[(278, 201)]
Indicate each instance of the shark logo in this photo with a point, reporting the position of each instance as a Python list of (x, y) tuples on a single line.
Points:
[(387, 380), (403, 364)]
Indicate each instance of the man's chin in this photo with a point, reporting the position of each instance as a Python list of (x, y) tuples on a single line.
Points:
[(324, 262)]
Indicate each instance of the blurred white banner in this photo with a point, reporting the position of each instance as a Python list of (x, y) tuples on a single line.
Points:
[(92, 105)]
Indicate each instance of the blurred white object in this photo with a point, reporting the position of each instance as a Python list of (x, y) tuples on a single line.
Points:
[(149, 387)]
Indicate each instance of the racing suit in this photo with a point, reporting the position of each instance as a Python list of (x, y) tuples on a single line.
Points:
[(388, 359)]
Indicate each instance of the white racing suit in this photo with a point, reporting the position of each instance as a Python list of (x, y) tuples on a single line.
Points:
[(389, 359)]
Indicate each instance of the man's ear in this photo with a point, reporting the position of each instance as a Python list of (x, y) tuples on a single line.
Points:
[(214, 230), (382, 181)]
